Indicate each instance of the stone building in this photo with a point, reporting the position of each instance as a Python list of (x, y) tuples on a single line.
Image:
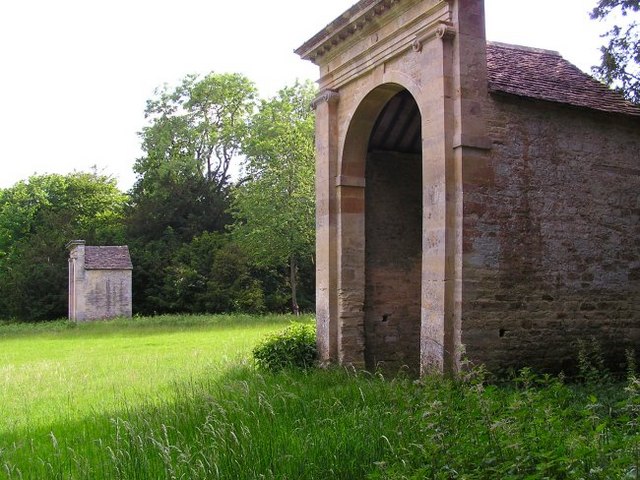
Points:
[(470, 195), (99, 281)]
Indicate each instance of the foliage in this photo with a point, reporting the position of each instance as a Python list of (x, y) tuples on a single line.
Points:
[(151, 258), (179, 204), (273, 206), (210, 274), (620, 60), (194, 133), (200, 124), (592, 367), (294, 347), (37, 218)]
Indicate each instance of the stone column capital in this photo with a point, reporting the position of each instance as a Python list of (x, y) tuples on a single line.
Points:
[(439, 30), (329, 96)]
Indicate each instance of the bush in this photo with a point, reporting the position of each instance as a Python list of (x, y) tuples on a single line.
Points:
[(294, 347)]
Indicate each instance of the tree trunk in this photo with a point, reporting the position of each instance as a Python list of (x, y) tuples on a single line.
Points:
[(293, 281)]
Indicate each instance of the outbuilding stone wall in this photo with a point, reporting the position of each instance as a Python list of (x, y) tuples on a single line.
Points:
[(99, 282), (552, 237)]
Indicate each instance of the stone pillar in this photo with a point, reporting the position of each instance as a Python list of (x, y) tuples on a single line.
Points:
[(76, 279), (453, 62), (325, 106), (437, 118), (471, 145)]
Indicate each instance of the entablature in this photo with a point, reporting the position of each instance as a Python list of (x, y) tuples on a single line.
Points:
[(372, 33)]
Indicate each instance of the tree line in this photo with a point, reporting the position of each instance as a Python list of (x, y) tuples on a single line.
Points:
[(202, 239), (220, 217)]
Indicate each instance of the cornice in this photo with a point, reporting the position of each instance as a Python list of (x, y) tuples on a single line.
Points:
[(379, 43), (354, 20)]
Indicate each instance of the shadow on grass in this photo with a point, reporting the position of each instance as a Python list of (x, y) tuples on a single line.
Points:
[(242, 425), (340, 424)]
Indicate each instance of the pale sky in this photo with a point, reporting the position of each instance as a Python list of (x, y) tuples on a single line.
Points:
[(75, 74)]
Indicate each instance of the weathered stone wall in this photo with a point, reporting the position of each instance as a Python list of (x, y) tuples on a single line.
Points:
[(107, 294), (551, 237), (393, 261)]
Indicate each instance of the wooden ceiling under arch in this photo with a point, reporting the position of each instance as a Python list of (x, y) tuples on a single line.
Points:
[(397, 128)]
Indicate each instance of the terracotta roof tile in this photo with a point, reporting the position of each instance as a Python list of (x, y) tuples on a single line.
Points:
[(107, 258), (545, 75)]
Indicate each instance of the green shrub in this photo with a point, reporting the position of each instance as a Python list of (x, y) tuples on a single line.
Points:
[(591, 363), (294, 347)]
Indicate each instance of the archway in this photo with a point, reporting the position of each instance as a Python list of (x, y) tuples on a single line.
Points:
[(370, 59), (380, 232), (393, 237)]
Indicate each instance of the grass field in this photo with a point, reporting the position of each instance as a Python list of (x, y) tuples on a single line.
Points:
[(55, 376), (81, 370), (176, 397)]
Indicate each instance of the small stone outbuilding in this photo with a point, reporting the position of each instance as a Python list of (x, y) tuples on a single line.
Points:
[(470, 196), (99, 281)]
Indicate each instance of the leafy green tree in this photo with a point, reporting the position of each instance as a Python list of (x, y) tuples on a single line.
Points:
[(273, 206), (195, 131), (194, 134), (211, 274), (37, 218), (620, 57)]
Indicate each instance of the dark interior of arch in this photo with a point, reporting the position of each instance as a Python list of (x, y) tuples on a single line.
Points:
[(393, 237), (397, 128)]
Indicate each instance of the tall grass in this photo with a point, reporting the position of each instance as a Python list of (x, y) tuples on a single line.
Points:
[(236, 423)]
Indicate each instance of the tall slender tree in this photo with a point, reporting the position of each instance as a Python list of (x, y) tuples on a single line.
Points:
[(273, 206)]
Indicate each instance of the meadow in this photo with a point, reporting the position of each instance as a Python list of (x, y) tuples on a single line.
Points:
[(179, 397)]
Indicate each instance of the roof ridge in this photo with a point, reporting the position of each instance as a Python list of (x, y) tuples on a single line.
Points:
[(525, 48)]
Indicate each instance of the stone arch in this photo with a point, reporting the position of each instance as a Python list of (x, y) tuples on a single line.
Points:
[(376, 50), (362, 120), (380, 231)]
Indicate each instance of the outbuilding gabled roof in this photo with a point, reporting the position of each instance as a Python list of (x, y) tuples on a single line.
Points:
[(107, 258), (545, 75)]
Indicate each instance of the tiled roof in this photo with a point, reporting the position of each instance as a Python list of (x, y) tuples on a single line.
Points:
[(107, 258), (545, 75)]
